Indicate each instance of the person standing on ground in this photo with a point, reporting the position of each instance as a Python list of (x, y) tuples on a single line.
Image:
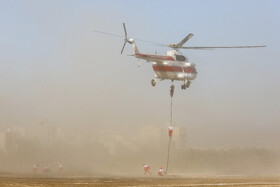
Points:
[(146, 169)]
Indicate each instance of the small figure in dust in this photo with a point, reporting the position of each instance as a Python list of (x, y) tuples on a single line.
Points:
[(161, 171), (35, 167), (60, 167), (47, 169), (146, 169)]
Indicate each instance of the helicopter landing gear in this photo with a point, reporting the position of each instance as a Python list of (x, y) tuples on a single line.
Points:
[(153, 82), (186, 85)]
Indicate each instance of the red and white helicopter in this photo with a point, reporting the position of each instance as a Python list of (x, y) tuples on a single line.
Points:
[(174, 65)]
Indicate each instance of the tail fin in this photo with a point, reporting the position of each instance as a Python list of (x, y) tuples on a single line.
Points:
[(134, 46)]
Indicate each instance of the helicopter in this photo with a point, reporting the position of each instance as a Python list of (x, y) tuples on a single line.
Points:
[(174, 65)]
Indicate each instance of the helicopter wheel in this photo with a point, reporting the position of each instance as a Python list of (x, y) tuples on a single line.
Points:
[(183, 87), (153, 82)]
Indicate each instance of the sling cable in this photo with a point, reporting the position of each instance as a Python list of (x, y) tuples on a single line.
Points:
[(170, 128)]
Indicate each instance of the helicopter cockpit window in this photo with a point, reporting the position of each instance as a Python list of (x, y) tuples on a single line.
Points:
[(180, 58)]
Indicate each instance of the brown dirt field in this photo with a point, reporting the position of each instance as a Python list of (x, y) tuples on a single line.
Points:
[(141, 181)]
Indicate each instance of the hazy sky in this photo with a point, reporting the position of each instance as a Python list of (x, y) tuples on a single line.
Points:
[(52, 66)]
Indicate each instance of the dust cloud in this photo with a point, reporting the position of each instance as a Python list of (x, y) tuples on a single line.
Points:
[(88, 151), (69, 98)]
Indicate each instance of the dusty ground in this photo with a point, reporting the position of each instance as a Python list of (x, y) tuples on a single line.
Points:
[(141, 181)]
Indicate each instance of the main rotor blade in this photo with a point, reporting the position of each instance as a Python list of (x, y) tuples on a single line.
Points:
[(184, 40), (123, 46), (154, 43), (121, 36), (222, 47), (136, 39), (110, 34), (125, 30)]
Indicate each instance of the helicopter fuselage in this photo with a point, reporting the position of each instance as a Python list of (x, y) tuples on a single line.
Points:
[(173, 66), (177, 68), (175, 71)]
